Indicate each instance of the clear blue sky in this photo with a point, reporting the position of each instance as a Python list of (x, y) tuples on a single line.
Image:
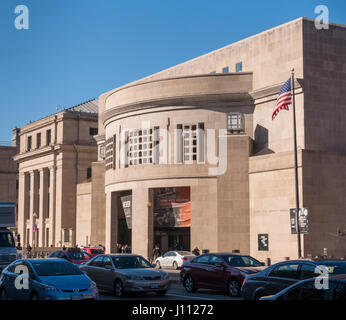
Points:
[(75, 50)]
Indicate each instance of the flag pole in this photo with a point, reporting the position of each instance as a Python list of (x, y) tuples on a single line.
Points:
[(296, 165)]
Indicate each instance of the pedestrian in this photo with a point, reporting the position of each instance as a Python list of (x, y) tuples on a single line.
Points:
[(28, 250), (63, 248), (196, 251), (156, 252)]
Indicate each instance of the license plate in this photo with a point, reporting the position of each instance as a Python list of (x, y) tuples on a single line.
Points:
[(154, 286), (76, 297)]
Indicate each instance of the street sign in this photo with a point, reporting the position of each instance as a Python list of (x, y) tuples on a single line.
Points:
[(34, 228), (263, 242), (303, 221)]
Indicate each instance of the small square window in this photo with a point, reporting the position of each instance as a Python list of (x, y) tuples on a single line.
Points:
[(225, 70)]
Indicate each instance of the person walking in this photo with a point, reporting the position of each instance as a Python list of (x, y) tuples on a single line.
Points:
[(28, 251), (196, 251), (156, 252)]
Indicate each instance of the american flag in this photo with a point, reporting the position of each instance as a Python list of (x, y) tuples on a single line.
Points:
[(284, 99)]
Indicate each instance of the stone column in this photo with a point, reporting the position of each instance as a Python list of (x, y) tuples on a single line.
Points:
[(42, 209), (21, 207), (31, 206), (142, 222), (111, 221), (52, 206)]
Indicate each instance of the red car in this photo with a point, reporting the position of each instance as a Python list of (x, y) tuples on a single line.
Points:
[(218, 271), (93, 251), (72, 255)]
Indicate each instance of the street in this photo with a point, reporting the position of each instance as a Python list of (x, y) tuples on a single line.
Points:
[(177, 292)]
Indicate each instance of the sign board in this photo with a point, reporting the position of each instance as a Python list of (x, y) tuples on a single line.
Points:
[(34, 228), (7, 214), (126, 202), (303, 221), (263, 242)]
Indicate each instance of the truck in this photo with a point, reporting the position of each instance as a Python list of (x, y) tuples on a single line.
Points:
[(8, 250)]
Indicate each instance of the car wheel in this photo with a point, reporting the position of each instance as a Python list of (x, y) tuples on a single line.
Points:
[(175, 265), (34, 296), (118, 288), (189, 284), (259, 295), (233, 288), (158, 264), (161, 292), (3, 295)]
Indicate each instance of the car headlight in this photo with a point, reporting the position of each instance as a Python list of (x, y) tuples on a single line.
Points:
[(92, 285), (48, 287)]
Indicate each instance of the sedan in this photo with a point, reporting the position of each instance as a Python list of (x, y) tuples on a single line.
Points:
[(218, 271), (122, 273), (173, 259), (45, 279), (283, 274), (307, 290), (73, 256)]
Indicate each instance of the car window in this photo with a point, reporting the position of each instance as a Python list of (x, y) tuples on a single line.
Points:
[(167, 254), (97, 262), (76, 255), (307, 271), (173, 254), (131, 262), (285, 271), (241, 261), (202, 259), (339, 291), (107, 261), (12, 268), (306, 291), (55, 268), (215, 260)]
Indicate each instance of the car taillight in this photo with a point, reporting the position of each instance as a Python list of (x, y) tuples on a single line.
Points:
[(185, 259)]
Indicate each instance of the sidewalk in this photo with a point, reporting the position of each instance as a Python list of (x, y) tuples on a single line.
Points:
[(173, 274)]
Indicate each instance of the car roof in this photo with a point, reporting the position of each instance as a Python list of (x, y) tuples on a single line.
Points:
[(120, 255), (42, 260)]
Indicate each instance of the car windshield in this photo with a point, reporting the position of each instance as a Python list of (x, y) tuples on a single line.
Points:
[(6, 239), (76, 255), (242, 261), (131, 262), (96, 251), (55, 268), (185, 253), (334, 267)]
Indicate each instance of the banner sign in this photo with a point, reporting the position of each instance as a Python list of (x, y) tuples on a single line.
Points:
[(172, 207), (126, 202), (303, 221)]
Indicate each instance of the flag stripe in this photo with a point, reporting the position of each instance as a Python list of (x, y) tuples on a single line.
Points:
[(284, 99)]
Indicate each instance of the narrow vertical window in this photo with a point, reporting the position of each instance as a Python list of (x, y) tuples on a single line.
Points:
[(179, 143), (200, 140), (48, 137), (156, 145), (38, 140)]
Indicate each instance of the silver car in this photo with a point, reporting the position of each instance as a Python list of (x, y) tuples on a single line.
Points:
[(121, 273), (45, 279)]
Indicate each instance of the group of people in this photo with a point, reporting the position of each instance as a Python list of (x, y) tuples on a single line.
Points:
[(123, 248)]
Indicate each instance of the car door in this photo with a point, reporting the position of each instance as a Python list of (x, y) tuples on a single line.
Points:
[(9, 277), (282, 276), (164, 259), (217, 274), (105, 274), (171, 259), (202, 270), (94, 270)]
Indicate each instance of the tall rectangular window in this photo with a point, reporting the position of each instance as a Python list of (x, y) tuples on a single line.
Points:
[(200, 138), (38, 140), (179, 142), (156, 148), (239, 67), (48, 137), (140, 146), (29, 143), (190, 143)]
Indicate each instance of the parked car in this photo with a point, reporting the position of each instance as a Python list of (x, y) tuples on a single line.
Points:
[(173, 259), (122, 273), (93, 251), (47, 279), (307, 290), (218, 271), (72, 255), (281, 275)]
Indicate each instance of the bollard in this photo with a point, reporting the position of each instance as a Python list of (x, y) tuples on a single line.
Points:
[(269, 262)]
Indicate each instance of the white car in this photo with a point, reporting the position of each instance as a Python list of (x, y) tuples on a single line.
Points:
[(173, 259)]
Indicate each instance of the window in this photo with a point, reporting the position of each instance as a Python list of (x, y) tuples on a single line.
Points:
[(110, 150), (200, 143), (235, 121), (38, 140), (307, 271), (239, 67), (190, 143), (93, 131), (66, 235), (179, 142), (29, 143), (202, 259), (88, 173), (213, 72), (97, 262), (225, 70), (140, 146), (48, 137), (306, 291), (241, 261), (215, 260), (285, 271)]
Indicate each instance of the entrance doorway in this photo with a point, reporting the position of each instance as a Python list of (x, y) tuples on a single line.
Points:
[(172, 218), (124, 218)]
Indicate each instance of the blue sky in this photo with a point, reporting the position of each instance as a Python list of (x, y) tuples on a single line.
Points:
[(75, 50)]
